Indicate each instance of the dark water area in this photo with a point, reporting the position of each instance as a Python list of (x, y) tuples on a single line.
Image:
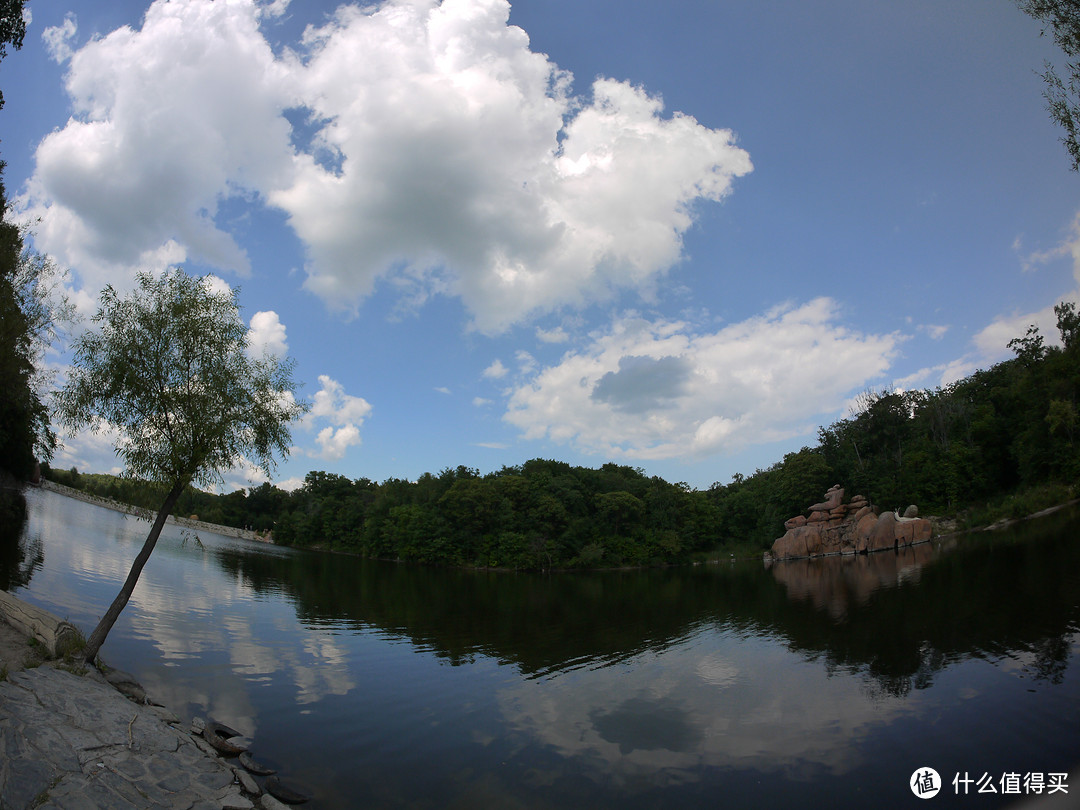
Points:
[(824, 683)]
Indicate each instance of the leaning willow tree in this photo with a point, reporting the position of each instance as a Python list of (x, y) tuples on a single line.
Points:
[(168, 368)]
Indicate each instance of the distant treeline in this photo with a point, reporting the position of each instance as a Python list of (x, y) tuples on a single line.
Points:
[(1009, 428)]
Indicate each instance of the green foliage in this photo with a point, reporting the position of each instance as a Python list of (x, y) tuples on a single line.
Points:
[(1026, 501), (12, 516), (543, 514), (168, 367), (1068, 324), (1061, 18), (24, 318), (1011, 428), (12, 28), (29, 312), (70, 653), (1005, 435)]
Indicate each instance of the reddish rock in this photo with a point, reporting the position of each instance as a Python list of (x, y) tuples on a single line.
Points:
[(924, 530), (781, 547), (903, 532), (883, 535), (833, 498), (790, 545), (864, 526), (836, 528), (913, 530)]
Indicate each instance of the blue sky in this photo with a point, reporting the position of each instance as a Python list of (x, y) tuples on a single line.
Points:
[(679, 236)]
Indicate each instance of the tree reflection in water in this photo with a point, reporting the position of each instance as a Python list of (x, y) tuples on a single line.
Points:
[(898, 618), (641, 688), (901, 617), (20, 556)]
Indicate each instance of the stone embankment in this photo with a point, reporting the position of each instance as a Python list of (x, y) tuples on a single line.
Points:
[(73, 740), (855, 527), (146, 514)]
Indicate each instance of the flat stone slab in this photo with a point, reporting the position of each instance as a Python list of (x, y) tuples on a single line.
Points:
[(70, 741)]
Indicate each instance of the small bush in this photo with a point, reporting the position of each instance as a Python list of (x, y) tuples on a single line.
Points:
[(70, 645), (33, 660)]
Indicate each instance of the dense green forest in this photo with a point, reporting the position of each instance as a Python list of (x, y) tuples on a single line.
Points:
[(1008, 429), (27, 322)]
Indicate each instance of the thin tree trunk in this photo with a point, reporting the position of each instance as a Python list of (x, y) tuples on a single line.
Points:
[(97, 638)]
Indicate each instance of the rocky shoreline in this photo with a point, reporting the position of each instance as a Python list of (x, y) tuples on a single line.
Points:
[(74, 737), (146, 514), (853, 527)]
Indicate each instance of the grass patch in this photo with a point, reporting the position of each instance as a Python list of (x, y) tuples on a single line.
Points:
[(1017, 505), (35, 655), (74, 667), (69, 649), (43, 797), (71, 644)]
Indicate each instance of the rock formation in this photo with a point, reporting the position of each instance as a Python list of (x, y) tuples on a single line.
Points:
[(835, 527)]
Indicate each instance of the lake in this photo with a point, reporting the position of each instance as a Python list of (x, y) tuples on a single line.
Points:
[(826, 683)]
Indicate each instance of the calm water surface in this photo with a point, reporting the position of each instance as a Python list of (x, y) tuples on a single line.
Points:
[(809, 684)]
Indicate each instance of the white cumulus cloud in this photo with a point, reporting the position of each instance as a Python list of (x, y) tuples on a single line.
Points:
[(659, 389), (432, 148), (167, 121), (333, 442), (496, 371), (267, 334), (341, 415), (935, 331), (557, 335), (462, 157), (57, 38)]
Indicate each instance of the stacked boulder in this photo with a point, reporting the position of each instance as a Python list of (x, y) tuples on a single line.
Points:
[(835, 527)]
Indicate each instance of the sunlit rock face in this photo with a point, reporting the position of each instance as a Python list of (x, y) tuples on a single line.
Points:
[(836, 527)]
